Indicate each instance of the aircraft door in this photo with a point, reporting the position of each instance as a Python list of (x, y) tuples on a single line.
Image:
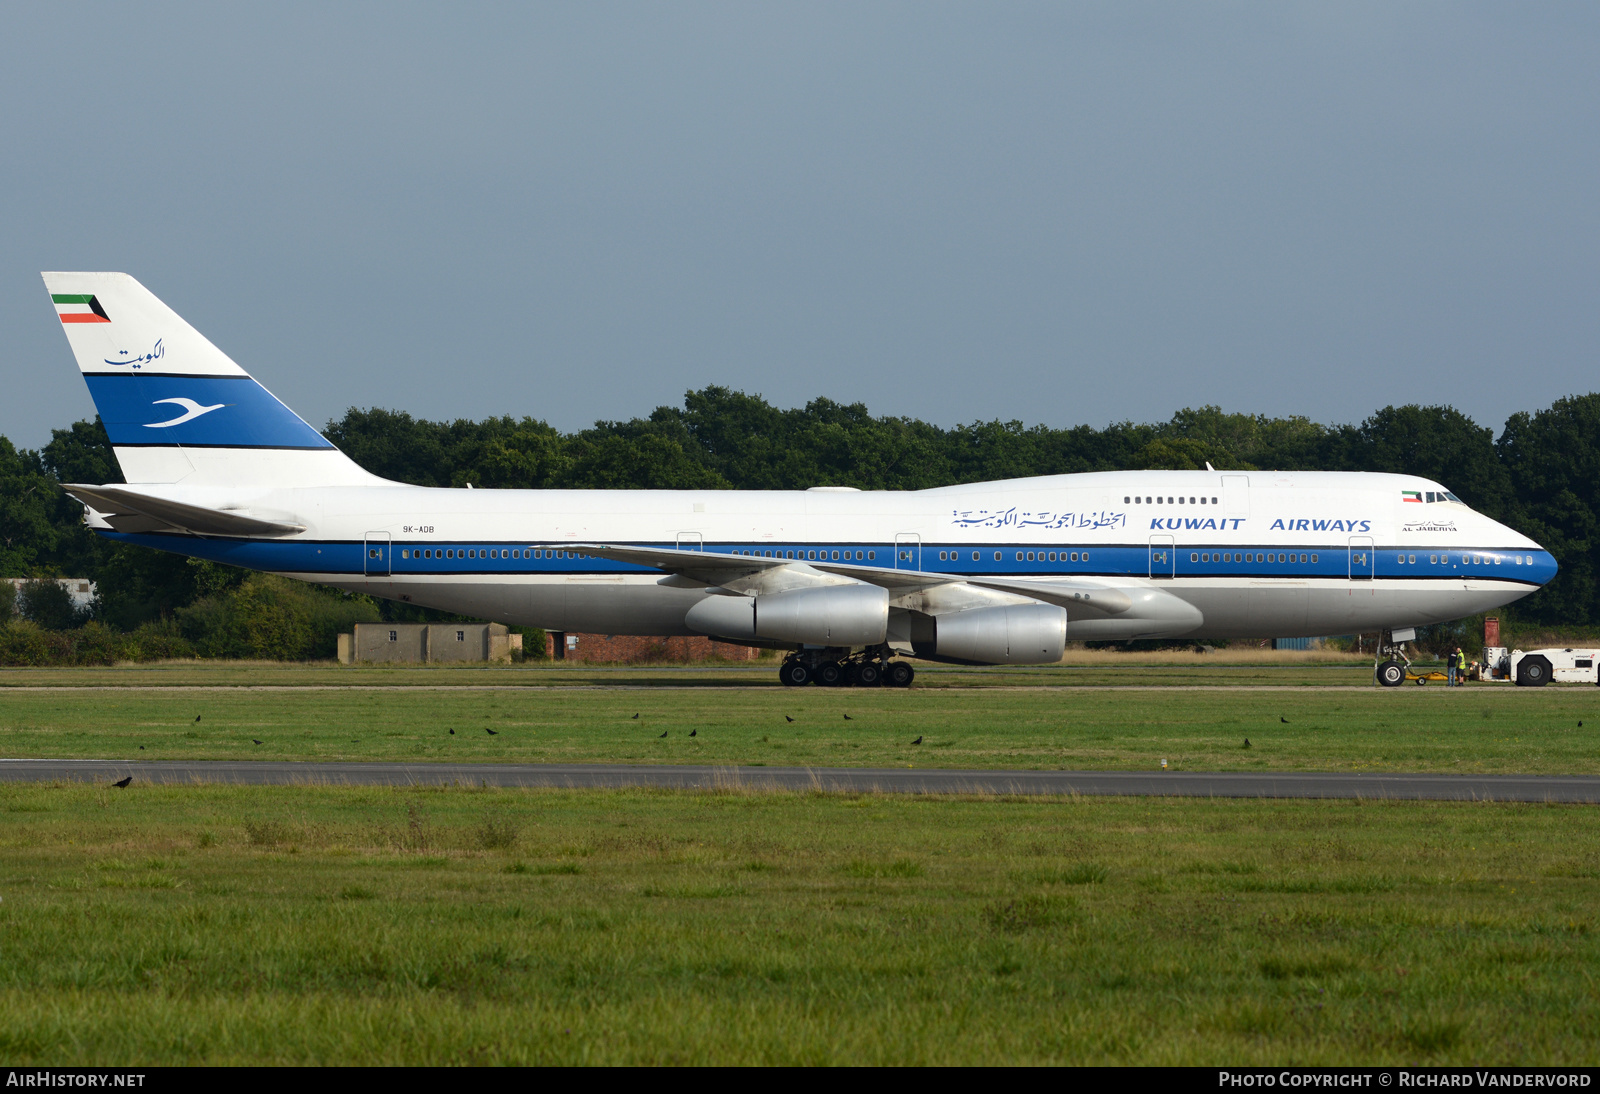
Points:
[(1363, 558), (375, 555), (1236, 496), (908, 551), (1163, 556), (690, 541)]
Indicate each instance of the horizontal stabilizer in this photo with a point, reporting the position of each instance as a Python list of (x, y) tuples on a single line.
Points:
[(131, 511)]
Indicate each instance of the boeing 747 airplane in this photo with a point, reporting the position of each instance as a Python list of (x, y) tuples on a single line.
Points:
[(982, 573)]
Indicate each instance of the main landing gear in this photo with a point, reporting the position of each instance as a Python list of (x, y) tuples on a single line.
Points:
[(838, 668)]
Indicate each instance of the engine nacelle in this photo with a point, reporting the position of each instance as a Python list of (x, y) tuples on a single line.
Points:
[(1024, 634), (833, 615)]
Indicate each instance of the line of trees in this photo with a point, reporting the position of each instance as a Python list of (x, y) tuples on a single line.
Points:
[(1541, 475)]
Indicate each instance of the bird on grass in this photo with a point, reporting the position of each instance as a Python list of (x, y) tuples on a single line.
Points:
[(635, 718), (1247, 742), (692, 732), (1282, 719), (786, 718), (254, 741), (197, 717), (123, 782), (663, 734), (491, 732), (848, 718), (141, 747), (918, 741), (452, 733)]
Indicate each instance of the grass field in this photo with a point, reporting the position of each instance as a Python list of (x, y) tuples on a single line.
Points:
[(323, 925), (1479, 729), (1081, 668)]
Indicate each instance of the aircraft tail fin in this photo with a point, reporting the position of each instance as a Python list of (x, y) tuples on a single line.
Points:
[(178, 409)]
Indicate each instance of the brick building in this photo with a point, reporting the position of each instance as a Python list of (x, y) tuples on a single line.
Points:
[(636, 650)]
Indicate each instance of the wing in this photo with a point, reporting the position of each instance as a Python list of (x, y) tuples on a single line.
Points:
[(753, 573), (130, 511)]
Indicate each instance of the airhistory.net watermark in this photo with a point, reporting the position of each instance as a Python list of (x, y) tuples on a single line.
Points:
[(53, 1079)]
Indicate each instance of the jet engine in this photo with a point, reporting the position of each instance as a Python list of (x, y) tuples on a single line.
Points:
[(833, 615), (1022, 634)]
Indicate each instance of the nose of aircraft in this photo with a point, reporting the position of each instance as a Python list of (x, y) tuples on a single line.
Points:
[(1531, 563)]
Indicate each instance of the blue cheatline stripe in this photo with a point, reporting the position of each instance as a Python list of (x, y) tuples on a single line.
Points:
[(220, 411), (402, 557)]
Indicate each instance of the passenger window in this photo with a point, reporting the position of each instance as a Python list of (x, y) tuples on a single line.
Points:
[(1213, 501), (974, 555), (871, 555), (1313, 558), (1124, 501), (1019, 556), (997, 556), (1413, 560), (1074, 556), (1085, 557), (1030, 556), (941, 556), (1193, 557), (836, 555), (405, 554)]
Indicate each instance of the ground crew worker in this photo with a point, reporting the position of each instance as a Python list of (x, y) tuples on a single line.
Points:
[(1458, 669)]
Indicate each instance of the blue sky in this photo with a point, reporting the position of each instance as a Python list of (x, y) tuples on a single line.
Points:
[(1058, 213)]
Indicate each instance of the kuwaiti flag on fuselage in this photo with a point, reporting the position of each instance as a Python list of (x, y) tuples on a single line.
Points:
[(79, 308)]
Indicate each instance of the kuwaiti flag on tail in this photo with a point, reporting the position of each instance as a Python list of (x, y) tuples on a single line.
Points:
[(79, 308)]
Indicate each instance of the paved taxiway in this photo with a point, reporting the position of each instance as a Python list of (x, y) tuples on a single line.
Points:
[(1196, 784)]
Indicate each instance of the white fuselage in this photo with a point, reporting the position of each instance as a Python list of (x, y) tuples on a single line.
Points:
[(1262, 554)]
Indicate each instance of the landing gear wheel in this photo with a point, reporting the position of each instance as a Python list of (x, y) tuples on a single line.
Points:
[(794, 674), (899, 674), (1533, 672), (868, 675), (1391, 674), (830, 674)]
